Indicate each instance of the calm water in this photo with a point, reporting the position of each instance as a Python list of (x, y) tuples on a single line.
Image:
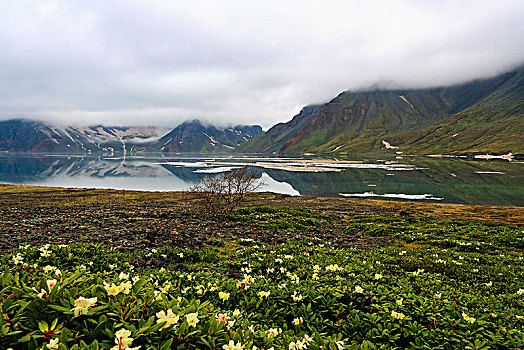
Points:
[(427, 179)]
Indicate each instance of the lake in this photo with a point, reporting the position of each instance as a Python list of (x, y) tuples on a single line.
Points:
[(486, 182)]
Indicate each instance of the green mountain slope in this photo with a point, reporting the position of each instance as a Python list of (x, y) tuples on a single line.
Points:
[(276, 137), (493, 125), (358, 122)]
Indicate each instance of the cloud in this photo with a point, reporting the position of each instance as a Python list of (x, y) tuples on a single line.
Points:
[(162, 62)]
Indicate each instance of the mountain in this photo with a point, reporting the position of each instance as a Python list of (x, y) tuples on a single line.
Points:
[(20, 135), (495, 124), (420, 120), (27, 136), (276, 137), (193, 136)]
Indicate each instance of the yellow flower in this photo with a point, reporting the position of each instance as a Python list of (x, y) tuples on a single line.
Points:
[(223, 295), (359, 289), (264, 294), (170, 317), (298, 321), (192, 319), (113, 289), (399, 302), (378, 276), (126, 287), (236, 313), (83, 302), (398, 315), (467, 318)]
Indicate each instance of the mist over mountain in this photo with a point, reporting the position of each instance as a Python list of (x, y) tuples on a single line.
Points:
[(27, 136), (478, 116)]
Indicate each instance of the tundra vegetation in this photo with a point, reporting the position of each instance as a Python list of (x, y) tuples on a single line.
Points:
[(441, 284)]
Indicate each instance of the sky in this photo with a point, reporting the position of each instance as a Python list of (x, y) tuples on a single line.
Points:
[(227, 62)]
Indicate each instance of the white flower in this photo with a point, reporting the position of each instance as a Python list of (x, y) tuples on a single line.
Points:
[(18, 259), (51, 284), (169, 317), (192, 319), (53, 344), (298, 321), (272, 332), (378, 276), (359, 289), (232, 346), (82, 305), (296, 296)]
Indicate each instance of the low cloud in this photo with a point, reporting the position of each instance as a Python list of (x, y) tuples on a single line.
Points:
[(251, 62)]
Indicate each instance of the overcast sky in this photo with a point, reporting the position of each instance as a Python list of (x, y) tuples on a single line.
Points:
[(251, 62)]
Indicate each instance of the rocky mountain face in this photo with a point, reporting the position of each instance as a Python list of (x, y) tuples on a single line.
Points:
[(494, 124), (28, 136), (420, 120), (21, 135), (193, 136)]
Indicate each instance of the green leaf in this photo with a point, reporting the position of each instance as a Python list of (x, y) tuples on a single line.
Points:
[(167, 344), (59, 308)]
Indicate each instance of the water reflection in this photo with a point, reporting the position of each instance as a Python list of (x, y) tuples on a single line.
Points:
[(445, 180)]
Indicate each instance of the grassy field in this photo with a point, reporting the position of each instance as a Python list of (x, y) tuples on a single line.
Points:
[(440, 279)]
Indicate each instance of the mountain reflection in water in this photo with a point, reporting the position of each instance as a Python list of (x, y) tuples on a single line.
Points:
[(442, 180)]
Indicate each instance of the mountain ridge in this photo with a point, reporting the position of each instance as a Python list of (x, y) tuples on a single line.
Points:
[(359, 122), (28, 136)]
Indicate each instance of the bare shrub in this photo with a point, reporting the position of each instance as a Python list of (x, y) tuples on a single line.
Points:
[(222, 193)]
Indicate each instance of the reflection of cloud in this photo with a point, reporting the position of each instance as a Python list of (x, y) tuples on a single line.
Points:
[(222, 169), (276, 186), (393, 195), (133, 183)]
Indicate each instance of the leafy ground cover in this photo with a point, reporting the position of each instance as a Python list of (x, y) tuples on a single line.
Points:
[(298, 295), (484, 235), (95, 269), (288, 218)]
